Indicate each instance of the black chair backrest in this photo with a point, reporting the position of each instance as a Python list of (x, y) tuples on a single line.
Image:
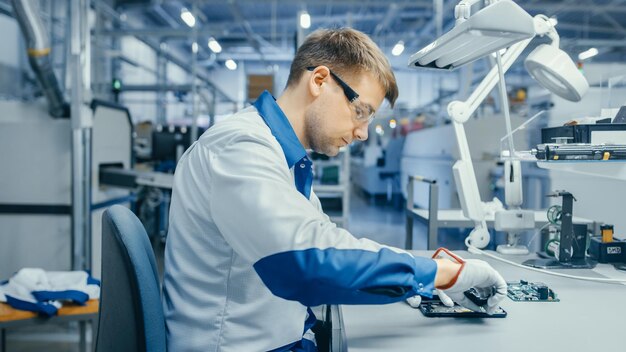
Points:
[(131, 315)]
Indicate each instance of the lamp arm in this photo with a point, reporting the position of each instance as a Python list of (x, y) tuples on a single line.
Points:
[(463, 169), (545, 25), (461, 111)]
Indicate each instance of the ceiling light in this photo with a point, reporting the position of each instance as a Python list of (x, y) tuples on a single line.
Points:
[(587, 54), (305, 20), (398, 48), (214, 45), (194, 47), (187, 17), (231, 64)]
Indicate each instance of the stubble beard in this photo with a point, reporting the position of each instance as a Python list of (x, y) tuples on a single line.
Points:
[(317, 140)]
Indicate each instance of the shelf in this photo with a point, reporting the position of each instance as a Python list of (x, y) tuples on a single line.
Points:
[(336, 191), (613, 169), (319, 189)]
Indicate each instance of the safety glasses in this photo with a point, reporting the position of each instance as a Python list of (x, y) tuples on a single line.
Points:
[(364, 112)]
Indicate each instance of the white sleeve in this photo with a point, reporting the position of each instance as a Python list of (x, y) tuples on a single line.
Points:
[(318, 205), (298, 253)]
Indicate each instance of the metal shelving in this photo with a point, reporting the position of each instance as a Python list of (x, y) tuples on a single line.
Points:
[(340, 190)]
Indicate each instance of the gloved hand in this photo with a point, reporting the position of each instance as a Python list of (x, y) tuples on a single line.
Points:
[(414, 301), (475, 274)]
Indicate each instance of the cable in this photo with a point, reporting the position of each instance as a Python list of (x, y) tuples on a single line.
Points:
[(475, 250), (536, 233)]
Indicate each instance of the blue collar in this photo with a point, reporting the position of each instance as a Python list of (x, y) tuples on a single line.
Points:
[(278, 123)]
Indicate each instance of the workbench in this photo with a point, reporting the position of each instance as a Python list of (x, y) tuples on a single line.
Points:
[(589, 317)]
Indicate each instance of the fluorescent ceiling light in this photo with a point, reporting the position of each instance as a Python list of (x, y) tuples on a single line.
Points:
[(494, 27), (305, 20), (214, 45), (231, 64), (398, 48), (587, 54), (187, 17)]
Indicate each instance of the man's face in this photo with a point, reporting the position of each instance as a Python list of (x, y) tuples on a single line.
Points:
[(331, 121)]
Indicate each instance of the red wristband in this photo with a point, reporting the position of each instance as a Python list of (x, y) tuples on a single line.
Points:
[(455, 258)]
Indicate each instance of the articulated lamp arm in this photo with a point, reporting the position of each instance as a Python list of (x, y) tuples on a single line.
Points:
[(463, 169), (460, 112)]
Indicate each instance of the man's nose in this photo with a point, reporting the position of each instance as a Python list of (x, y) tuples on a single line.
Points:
[(360, 132)]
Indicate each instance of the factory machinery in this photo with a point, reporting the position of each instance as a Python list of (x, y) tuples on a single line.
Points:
[(61, 165)]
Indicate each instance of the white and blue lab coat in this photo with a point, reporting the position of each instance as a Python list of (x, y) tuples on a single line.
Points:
[(249, 248)]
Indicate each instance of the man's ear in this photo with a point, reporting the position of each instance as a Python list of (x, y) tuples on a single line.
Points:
[(317, 79)]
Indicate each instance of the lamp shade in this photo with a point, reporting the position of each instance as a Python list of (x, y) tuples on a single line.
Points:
[(555, 71), (494, 27)]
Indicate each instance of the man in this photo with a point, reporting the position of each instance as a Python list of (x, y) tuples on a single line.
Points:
[(249, 248)]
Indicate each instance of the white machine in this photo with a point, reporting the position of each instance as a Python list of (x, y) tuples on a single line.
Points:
[(500, 24), (35, 192)]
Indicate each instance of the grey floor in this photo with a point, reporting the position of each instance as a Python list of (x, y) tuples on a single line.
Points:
[(375, 219)]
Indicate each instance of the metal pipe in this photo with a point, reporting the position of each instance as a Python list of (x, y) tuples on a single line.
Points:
[(108, 11), (38, 43), (81, 142), (194, 76)]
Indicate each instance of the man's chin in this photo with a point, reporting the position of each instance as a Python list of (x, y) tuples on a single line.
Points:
[(333, 152), (329, 151)]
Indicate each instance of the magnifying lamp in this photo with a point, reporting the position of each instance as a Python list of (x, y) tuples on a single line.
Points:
[(498, 25), (553, 69)]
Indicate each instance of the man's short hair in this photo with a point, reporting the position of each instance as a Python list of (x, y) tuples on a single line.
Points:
[(348, 53)]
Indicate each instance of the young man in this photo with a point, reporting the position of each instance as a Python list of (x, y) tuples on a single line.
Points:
[(249, 248)]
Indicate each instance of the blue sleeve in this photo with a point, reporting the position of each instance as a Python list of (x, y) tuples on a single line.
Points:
[(346, 276)]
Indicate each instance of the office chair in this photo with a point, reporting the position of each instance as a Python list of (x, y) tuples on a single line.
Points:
[(131, 315)]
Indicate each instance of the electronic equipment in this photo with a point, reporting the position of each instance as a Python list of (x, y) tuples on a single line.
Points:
[(572, 241), (599, 133), (169, 143), (434, 308), (524, 291), (480, 300), (580, 151), (607, 252)]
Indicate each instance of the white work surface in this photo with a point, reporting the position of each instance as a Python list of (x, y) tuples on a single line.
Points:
[(590, 317)]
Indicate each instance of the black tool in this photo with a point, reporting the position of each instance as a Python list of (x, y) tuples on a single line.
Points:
[(480, 300)]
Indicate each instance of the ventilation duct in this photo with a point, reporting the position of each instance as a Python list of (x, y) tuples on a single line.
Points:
[(38, 44)]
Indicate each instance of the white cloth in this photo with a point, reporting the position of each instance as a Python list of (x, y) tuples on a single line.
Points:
[(44, 291)]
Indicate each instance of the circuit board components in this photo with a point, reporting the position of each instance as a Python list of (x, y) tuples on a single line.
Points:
[(524, 291)]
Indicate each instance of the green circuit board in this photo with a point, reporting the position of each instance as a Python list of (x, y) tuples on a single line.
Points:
[(524, 291)]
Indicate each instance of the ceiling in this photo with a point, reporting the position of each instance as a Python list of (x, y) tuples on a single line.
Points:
[(265, 30)]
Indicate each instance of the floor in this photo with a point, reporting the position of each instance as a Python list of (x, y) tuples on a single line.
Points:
[(375, 219)]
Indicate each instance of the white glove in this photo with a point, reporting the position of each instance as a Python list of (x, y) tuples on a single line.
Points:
[(414, 301), (484, 279), (474, 273)]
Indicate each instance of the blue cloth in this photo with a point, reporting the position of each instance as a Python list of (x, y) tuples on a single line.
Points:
[(281, 128)]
